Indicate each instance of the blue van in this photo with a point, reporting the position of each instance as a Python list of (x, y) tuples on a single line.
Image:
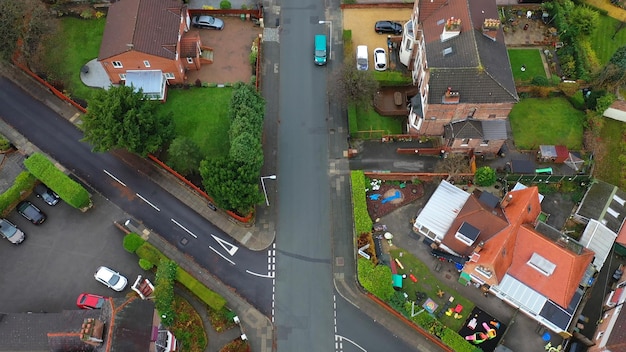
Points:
[(320, 49)]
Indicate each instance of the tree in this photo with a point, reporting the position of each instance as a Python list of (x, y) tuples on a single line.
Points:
[(485, 176), (184, 156), (453, 165), (354, 86), (613, 75), (121, 118), (234, 185), (247, 148), (23, 23)]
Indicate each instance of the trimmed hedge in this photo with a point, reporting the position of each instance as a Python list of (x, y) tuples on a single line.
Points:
[(376, 279), (132, 242), (392, 78), (149, 253), (164, 291), (23, 185), (362, 221), (145, 264), (69, 190)]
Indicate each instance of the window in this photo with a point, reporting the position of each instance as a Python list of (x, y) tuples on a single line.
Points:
[(190, 60), (169, 75), (484, 143), (123, 76), (541, 264), (117, 64), (465, 142), (484, 271), (146, 63)]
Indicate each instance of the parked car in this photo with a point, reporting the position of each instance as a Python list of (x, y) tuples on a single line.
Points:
[(90, 301), (31, 212), (380, 59), (208, 22), (388, 27), (42, 191), (110, 278), (617, 274), (11, 232), (362, 61)]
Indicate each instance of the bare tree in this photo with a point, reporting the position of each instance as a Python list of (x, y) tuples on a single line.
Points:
[(353, 86)]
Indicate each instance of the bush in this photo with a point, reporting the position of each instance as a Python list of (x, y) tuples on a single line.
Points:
[(164, 291), (225, 5), (212, 299), (150, 253), (541, 81), (375, 279), (4, 143), (23, 184), (132, 242), (145, 264), (69, 190), (485, 176), (362, 221)]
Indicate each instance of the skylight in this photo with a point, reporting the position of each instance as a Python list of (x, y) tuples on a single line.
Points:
[(541, 264)]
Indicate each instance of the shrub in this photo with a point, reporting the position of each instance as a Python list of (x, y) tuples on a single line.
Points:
[(540, 92), (4, 143), (225, 5), (164, 291), (485, 176), (23, 184), (362, 220), (145, 264), (212, 299), (69, 190), (150, 253), (542, 81), (132, 242), (86, 14), (375, 279)]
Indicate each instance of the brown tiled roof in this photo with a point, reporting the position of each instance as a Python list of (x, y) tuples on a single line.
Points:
[(617, 341), (474, 65), (428, 7), (147, 26)]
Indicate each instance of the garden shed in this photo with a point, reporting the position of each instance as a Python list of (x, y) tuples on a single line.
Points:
[(522, 167), (553, 153)]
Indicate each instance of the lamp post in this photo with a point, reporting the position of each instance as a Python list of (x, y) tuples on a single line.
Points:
[(271, 177), (330, 36)]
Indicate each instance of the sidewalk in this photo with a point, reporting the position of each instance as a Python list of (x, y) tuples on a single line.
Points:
[(257, 327)]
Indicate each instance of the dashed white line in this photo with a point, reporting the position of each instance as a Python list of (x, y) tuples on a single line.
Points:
[(221, 255), (115, 178), (184, 228), (145, 200), (341, 338)]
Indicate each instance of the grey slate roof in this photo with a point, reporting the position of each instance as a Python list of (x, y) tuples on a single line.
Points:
[(475, 129), (147, 26), (478, 67), (133, 326), (606, 203)]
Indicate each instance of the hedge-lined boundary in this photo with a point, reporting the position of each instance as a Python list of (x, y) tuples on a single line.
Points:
[(21, 188), (362, 221)]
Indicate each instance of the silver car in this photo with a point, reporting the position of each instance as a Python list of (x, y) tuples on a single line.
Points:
[(11, 232), (209, 22), (110, 278)]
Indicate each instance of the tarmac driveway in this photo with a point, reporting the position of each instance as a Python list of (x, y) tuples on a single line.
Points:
[(57, 260)]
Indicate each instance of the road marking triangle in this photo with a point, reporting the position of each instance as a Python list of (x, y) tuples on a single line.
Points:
[(230, 248)]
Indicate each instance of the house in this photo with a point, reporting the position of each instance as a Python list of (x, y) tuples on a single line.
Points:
[(152, 37), (458, 60), (482, 137), (126, 324), (519, 259), (609, 334)]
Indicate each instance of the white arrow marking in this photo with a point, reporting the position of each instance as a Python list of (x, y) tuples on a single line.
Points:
[(230, 248)]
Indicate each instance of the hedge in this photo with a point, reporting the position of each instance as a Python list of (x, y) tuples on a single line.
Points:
[(23, 184), (69, 190), (164, 291), (362, 221), (153, 255), (392, 78), (375, 279)]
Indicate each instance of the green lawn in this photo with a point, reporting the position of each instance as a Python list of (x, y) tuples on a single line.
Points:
[(551, 121), (426, 282), (607, 168), (601, 40), (531, 58), (370, 120), (78, 43), (201, 114)]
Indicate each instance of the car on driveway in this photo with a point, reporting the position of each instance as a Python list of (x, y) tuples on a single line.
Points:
[(388, 27), (31, 212), (110, 278), (380, 59), (90, 301), (208, 22), (46, 194), (11, 232)]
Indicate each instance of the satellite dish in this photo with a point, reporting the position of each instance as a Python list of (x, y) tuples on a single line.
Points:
[(388, 235)]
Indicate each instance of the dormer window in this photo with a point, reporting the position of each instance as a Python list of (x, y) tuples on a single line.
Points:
[(467, 234), (484, 271), (541, 264), (465, 142)]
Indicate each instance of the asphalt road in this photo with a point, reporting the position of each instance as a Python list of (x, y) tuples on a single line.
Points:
[(137, 195)]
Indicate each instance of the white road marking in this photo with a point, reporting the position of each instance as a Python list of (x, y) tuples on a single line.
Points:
[(115, 178), (260, 275), (145, 200), (223, 256), (341, 338), (228, 247), (184, 228)]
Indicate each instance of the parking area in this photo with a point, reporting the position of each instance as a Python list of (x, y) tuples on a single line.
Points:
[(361, 22), (57, 260), (231, 52)]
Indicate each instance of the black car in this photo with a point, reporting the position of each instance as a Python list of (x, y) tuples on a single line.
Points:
[(388, 27), (42, 191), (31, 212)]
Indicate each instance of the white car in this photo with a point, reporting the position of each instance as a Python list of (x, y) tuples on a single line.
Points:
[(380, 59), (110, 278)]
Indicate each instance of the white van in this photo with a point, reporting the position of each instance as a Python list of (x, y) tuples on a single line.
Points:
[(361, 58)]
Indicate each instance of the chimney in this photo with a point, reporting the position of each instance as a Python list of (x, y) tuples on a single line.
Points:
[(490, 28), (451, 97), (506, 201), (451, 29)]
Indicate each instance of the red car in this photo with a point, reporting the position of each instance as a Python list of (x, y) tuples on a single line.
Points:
[(90, 301)]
